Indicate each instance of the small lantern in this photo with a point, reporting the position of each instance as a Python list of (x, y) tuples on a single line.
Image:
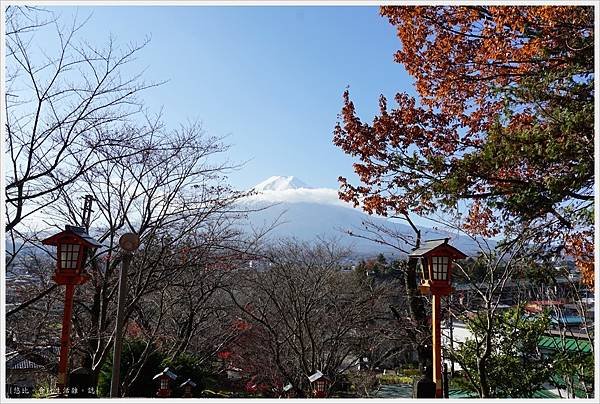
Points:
[(435, 264), (164, 379), (72, 246), (187, 387), (320, 384)]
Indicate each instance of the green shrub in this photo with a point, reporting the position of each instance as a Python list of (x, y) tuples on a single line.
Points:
[(395, 379), (411, 372)]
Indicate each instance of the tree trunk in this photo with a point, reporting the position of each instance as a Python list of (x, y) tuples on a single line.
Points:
[(417, 313), (483, 381)]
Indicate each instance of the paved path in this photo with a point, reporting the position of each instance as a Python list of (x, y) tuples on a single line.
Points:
[(394, 391)]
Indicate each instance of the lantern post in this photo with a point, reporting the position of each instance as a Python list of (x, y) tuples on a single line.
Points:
[(435, 259), (72, 246)]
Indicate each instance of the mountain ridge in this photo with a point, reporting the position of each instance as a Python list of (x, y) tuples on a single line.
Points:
[(307, 213)]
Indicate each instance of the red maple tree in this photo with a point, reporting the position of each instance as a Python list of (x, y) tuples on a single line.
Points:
[(504, 121)]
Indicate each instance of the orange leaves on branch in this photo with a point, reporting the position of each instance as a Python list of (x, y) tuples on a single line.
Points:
[(581, 246), (480, 221), (458, 54), (383, 149), (504, 119)]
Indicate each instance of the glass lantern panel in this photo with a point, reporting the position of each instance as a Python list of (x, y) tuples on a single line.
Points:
[(164, 384), (440, 268), (69, 253)]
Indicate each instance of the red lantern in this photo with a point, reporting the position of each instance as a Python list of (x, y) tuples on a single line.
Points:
[(435, 258), (435, 261), (72, 246), (188, 385), (164, 379), (320, 384)]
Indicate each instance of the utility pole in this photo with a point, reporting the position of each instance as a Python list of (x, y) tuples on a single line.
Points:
[(87, 211), (129, 242)]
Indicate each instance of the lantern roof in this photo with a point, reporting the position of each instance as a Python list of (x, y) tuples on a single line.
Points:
[(73, 231), (166, 373), (316, 376), (436, 246), (188, 382)]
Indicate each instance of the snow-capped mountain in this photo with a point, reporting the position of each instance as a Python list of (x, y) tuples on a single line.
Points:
[(305, 212), (277, 183)]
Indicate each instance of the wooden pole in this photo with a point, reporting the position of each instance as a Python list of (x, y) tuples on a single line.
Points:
[(65, 339), (437, 344)]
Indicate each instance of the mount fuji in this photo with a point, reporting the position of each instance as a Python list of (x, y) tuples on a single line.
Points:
[(307, 213), (277, 183)]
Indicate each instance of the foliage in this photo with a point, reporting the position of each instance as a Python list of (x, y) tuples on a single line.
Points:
[(515, 367), (395, 379), (573, 371), (411, 372), (143, 385), (189, 366), (504, 121), (378, 268), (363, 383)]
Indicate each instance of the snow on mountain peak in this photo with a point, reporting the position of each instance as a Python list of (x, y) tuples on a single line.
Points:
[(279, 183)]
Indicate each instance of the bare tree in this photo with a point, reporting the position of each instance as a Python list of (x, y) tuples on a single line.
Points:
[(172, 194), (419, 333), (70, 132), (301, 314), (64, 110)]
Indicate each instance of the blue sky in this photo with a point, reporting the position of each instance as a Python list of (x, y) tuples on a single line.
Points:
[(269, 78)]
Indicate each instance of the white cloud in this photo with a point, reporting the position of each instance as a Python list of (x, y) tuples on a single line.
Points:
[(307, 195)]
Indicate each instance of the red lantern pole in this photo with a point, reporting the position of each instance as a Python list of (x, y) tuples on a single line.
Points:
[(65, 339), (437, 343), (437, 280), (72, 246)]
